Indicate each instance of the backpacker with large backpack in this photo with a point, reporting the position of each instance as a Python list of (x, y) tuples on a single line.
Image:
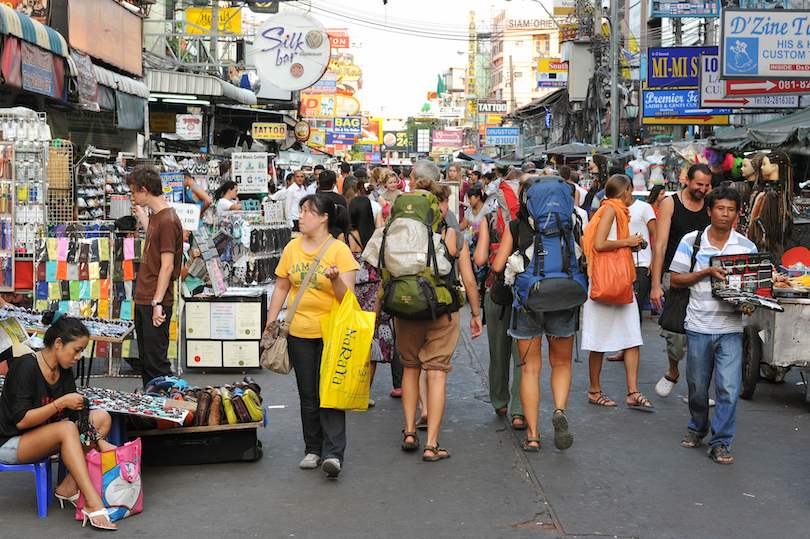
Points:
[(432, 289), (552, 279)]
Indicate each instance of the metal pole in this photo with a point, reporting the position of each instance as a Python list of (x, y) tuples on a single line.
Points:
[(614, 75), (215, 32)]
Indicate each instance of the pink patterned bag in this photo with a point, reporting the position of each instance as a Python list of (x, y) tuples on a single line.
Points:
[(116, 475)]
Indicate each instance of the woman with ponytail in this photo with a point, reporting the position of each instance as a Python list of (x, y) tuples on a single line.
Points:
[(226, 195), (39, 409)]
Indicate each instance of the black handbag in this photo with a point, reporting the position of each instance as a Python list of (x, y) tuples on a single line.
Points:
[(677, 299)]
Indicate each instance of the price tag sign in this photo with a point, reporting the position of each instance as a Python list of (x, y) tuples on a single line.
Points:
[(189, 215)]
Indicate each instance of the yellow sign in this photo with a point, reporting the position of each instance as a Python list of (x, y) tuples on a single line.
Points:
[(162, 122), (317, 138), (494, 119), (269, 131), (230, 20), (718, 119)]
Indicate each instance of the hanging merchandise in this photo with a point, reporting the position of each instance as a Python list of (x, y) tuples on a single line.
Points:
[(771, 219), (6, 216)]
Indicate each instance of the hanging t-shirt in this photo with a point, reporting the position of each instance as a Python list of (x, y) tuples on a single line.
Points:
[(26, 389), (318, 297)]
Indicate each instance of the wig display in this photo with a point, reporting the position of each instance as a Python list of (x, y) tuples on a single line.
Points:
[(771, 221)]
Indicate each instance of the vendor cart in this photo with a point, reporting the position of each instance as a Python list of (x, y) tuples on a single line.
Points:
[(776, 341)]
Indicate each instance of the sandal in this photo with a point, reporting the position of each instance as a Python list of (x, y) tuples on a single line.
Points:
[(640, 402), (522, 426), (665, 385), (88, 517), (603, 399), (721, 452), (691, 440), (437, 453), (422, 423), (563, 437), (527, 440), (409, 446), (501, 411)]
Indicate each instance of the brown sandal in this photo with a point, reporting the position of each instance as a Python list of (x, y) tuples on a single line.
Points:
[(409, 446), (641, 401), (437, 453)]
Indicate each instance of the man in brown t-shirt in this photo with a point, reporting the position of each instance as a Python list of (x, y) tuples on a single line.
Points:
[(160, 266)]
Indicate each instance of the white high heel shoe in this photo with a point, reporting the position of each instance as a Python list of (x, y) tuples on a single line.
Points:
[(100, 513), (63, 499)]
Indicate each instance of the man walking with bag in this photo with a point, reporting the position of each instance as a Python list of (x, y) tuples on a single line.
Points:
[(713, 327), (678, 215)]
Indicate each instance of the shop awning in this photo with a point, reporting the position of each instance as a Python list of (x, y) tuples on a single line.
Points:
[(119, 82), (475, 157), (19, 25), (170, 82), (789, 133), (577, 149)]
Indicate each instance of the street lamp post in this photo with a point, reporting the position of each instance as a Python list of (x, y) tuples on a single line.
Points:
[(631, 112)]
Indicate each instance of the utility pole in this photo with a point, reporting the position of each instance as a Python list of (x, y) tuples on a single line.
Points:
[(215, 32), (614, 75), (512, 84)]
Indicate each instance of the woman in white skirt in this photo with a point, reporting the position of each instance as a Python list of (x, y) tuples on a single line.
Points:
[(613, 327)]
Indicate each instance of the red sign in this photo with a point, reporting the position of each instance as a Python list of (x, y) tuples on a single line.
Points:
[(767, 87), (338, 37)]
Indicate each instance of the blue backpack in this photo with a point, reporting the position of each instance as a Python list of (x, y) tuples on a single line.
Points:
[(553, 280)]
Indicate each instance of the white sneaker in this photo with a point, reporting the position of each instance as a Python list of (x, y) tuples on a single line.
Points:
[(371, 403), (712, 402), (310, 462), (332, 467)]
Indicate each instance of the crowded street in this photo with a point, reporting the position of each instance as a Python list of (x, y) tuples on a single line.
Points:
[(355, 268)]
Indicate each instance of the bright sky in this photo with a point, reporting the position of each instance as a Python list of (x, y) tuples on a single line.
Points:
[(406, 44)]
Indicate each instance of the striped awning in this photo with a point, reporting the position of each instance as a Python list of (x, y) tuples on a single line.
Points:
[(17, 24)]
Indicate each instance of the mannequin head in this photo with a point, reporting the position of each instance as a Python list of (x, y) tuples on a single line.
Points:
[(768, 170), (747, 169)]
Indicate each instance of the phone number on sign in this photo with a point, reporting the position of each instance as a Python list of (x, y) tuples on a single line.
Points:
[(793, 84)]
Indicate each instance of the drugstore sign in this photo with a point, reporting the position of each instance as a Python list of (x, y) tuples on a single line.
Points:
[(269, 131)]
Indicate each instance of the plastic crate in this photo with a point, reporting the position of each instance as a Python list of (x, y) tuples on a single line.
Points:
[(795, 272)]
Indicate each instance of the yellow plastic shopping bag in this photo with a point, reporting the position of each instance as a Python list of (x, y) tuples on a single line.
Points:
[(347, 336)]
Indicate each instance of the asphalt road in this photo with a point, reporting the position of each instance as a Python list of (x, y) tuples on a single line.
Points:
[(625, 476)]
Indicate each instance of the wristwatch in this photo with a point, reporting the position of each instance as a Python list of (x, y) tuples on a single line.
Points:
[(155, 303)]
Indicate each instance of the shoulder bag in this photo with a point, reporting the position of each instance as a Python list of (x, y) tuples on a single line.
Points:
[(275, 356), (677, 299)]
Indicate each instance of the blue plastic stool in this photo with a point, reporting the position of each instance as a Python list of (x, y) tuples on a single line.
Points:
[(42, 472)]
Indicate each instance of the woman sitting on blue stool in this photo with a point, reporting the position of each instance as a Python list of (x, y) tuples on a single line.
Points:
[(39, 409)]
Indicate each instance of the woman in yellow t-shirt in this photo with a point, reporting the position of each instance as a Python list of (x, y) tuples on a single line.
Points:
[(324, 428)]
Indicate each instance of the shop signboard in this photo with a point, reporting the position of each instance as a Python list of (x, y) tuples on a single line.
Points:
[(230, 20), (317, 138), (712, 90), (551, 73), (472, 48), (291, 51), (338, 37), (189, 215), (327, 85), (104, 29), (422, 141), (86, 79), (249, 171), (269, 131), (494, 119), (531, 24), (659, 103), (503, 135), (675, 67), (451, 113), (172, 186), (371, 132), (395, 141), (685, 8), (189, 126), (764, 44), (333, 139), (37, 10), (37, 69), (348, 126), (447, 139), (318, 106), (563, 7), (263, 7), (162, 122), (767, 87), (709, 119), (491, 106), (302, 130)]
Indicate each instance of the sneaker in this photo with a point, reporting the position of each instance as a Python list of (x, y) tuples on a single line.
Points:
[(396, 393), (563, 437), (712, 402), (332, 467), (371, 403), (310, 462)]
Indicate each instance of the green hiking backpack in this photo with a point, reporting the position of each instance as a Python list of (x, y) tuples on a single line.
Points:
[(427, 294)]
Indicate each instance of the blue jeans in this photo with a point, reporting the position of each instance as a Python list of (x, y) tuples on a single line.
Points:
[(721, 354), (324, 428)]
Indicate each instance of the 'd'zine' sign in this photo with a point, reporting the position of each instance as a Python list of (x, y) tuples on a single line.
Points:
[(762, 44)]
